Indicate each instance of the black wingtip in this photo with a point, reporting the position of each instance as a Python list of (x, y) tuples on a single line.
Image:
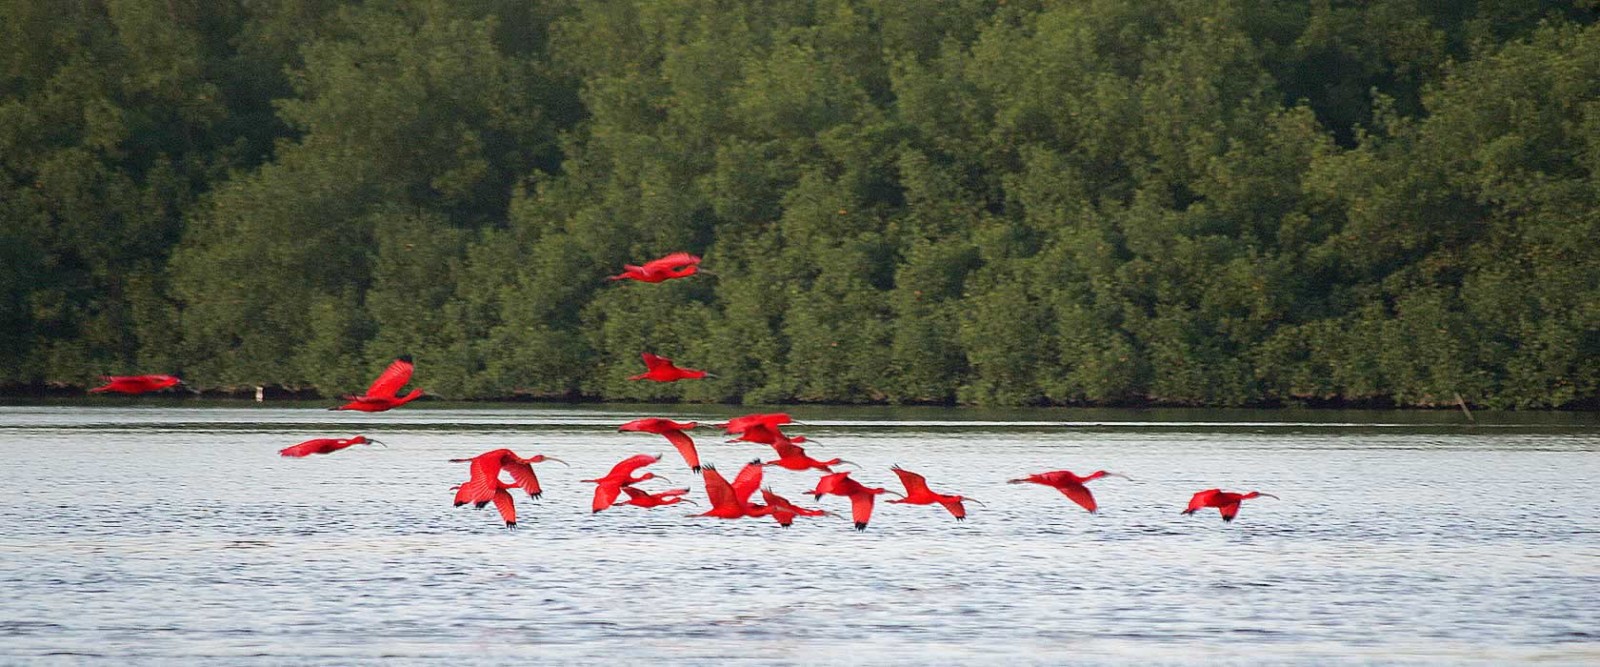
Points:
[(861, 525), (1228, 519), (536, 496), (695, 468), (460, 503), (404, 357), (480, 505), (511, 525)]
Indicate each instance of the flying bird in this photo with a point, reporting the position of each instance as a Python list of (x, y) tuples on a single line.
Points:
[(1070, 485), (1227, 503), (641, 498), (485, 474), (136, 384), (794, 457), (783, 511), (861, 496), (675, 265), (610, 486), (385, 391), (661, 369), (325, 446), (918, 493), (674, 433), (743, 423)]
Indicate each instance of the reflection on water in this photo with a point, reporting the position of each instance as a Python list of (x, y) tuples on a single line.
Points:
[(158, 530)]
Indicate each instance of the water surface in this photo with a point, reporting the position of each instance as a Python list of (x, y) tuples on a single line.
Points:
[(149, 531)]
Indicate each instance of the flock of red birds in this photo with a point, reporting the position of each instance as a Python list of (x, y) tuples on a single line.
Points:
[(728, 500)]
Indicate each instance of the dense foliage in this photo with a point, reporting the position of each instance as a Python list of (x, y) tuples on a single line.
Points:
[(995, 202)]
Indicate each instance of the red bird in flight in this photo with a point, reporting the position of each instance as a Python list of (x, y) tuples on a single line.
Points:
[(609, 487), (136, 384), (661, 369), (485, 475), (783, 511), (732, 501), (385, 391), (675, 265), (744, 423), (918, 493), (325, 445), (1226, 502), (673, 431), (840, 484), (1070, 485), (793, 457), (641, 498)]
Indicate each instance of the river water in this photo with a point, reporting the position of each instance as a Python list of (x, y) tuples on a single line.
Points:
[(144, 531)]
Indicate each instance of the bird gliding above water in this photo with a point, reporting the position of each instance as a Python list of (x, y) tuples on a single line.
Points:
[(840, 484), (610, 486), (326, 445), (918, 493), (732, 500), (642, 498), (1227, 503), (1070, 485), (385, 391), (485, 473)]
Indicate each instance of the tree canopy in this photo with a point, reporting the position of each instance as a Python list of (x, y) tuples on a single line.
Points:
[(1012, 202)]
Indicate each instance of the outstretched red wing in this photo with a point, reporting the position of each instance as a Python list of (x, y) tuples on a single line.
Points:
[(1079, 494), (508, 508), (522, 473), (1201, 499), (626, 467), (916, 485), (747, 481), (307, 448), (392, 379), (685, 446), (1229, 510), (604, 495), (652, 361), (635, 493), (957, 510), (861, 509)]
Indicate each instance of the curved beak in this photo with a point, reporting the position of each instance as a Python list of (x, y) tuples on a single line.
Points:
[(975, 500), (1268, 495), (1118, 474), (902, 495), (376, 441), (711, 375), (664, 477), (552, 458), (688, 500), (842, 462)]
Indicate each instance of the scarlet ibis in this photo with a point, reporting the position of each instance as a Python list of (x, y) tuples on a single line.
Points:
[(840, 484), (500, 497), (385, 391), (610, 486), (731, 501), (1226, 502), (675, 265), (765, 434), (793, 457), (642, 498), (136, 384), (784, 511), (674, 432), (1070, 485), (918, 493), (661, 369), (326, 445), (485, 473), (743, 423)]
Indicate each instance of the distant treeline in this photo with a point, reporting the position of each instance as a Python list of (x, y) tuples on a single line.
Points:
[(995, 202)]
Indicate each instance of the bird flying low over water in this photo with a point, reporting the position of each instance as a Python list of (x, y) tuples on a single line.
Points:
[(675, 265), (385, 391), (610, 486), (136, 384), (661, 369), (674, 433), (861, 496), (1227, 503), (794, 457), (918, 493), (326, 445), (742, 423), (1070, 485), (783, 511), (485, 475), (642, 498)]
